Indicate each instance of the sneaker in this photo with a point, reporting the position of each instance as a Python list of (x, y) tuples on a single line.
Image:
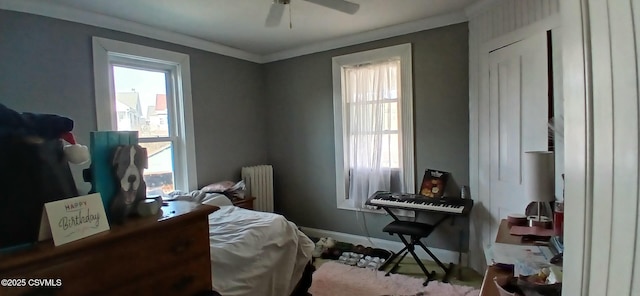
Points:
[(343, 259), (362, 263), (373, 265), (352, 261)]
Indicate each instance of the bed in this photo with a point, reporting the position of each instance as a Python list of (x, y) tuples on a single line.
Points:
[(253, 253)]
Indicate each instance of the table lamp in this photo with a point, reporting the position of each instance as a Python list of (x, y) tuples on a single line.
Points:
[(539, 182)]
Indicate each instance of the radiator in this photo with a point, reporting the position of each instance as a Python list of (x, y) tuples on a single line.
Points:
[(259, 184)]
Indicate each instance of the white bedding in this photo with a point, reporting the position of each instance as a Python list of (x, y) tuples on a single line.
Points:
[(256, 253)]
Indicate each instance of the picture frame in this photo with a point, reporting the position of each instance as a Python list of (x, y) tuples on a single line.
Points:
[(434, 183)]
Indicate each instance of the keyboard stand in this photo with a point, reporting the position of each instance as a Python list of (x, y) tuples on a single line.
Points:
[(416, 231)]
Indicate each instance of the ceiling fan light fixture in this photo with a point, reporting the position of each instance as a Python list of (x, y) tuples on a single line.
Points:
[(275, 13), (339, 5), (277, 9)]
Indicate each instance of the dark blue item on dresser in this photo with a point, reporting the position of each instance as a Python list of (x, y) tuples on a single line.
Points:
[(33, 172)]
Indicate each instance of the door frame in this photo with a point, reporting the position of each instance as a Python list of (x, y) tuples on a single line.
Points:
[(479, 134), (578, 98)]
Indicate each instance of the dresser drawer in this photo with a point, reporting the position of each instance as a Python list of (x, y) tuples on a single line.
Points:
[(120, 261), (184, 278)]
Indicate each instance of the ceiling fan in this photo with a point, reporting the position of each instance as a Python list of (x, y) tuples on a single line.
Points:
[(277, 9)]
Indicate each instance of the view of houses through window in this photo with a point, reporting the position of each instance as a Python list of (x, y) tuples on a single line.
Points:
[(141, 105)]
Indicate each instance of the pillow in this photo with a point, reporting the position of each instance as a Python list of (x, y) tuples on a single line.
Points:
[(219, 186), (216, 199)]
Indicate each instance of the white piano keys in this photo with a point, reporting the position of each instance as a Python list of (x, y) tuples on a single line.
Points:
[(425, 205)]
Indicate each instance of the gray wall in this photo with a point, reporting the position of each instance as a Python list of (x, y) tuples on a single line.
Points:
[(246, 114), (46, 67), (301, 137)]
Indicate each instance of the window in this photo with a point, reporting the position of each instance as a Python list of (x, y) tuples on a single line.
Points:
[(373, 121), (148, 90)]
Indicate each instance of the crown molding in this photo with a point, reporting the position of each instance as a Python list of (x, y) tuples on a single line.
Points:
[(386, 32), (478, 7), (48, 9)]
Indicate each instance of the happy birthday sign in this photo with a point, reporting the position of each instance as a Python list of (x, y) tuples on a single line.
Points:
[(75, 218)]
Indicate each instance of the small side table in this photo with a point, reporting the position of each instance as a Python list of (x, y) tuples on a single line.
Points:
[(246, 202)]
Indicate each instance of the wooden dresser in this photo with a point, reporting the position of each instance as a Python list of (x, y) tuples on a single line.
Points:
[(167, 254)]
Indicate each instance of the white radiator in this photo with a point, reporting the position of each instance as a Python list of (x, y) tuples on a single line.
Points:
[(259, 184)]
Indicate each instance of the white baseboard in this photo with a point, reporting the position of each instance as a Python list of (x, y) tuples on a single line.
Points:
[(446, 256)]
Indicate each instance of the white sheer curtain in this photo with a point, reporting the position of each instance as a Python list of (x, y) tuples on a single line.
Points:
[(372, 94)]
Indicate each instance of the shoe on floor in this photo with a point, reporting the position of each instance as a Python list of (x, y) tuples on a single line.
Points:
[(322, 245)]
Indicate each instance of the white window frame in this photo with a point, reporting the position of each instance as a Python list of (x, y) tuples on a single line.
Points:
[(403, 51), (107, 51)]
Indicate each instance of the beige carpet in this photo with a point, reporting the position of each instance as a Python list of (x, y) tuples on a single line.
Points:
[(409, 267), (336, 279)]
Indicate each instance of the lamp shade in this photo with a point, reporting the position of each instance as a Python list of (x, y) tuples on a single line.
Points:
[(538, 174)]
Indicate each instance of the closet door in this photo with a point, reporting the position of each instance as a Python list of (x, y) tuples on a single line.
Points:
[(518, 98)]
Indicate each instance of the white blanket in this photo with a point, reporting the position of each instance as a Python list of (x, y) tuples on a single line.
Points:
[(256, 253)]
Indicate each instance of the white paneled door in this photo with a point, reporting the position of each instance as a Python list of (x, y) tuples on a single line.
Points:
[(518, 99)]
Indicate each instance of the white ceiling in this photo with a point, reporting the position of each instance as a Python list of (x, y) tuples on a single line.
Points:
[(238, 25)]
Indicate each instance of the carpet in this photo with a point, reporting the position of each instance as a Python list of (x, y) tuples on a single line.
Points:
[(335, 279)]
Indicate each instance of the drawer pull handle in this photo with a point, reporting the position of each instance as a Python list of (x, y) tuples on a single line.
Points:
[(183, 283), (181, 247)]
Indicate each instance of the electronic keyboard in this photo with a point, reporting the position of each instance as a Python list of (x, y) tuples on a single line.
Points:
[(416, 202)]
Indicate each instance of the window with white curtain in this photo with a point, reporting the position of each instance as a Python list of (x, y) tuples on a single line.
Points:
[(373, 117)]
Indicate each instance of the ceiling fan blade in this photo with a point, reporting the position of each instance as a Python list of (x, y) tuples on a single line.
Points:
[(275, 15), (340, 5)]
